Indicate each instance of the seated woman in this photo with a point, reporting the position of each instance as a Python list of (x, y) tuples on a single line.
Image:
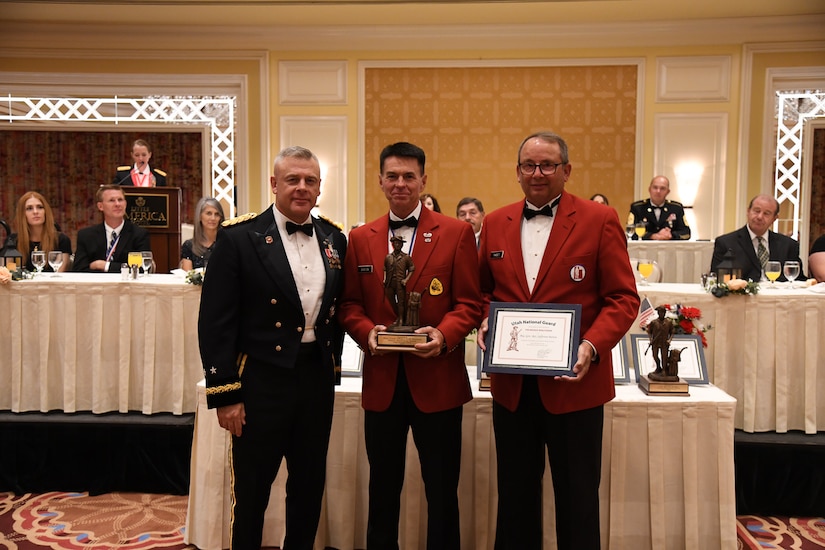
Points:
[(195, 252), (34, 229), (816, 260)]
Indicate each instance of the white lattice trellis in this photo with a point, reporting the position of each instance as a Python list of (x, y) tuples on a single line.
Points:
[(793, 109), (216, 112)]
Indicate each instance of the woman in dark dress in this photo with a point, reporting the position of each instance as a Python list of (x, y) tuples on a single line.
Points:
[(195, 252), (34, 229)]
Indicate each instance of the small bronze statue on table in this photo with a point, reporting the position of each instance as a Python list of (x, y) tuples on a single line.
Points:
[(398, 268), (665, 379)]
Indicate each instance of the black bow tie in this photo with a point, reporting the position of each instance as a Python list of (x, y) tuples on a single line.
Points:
[(409, 222), (546, 210), (293, 227)]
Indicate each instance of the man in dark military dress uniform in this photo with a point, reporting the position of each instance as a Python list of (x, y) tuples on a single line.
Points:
[(271, 350), (664, 220)]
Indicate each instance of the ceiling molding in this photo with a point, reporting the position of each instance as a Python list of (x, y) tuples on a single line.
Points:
[(34, 37)]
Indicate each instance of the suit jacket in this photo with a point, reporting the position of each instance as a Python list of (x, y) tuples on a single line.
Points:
[(782, 248), (250, 308), (588, 238), (446, 275), (92, 245), (672, 215), (123, 176)]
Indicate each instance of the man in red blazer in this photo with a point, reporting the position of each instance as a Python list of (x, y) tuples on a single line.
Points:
[(422, 390), (554, 247)]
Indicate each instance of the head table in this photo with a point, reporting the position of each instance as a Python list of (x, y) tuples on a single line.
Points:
[(92, 342), (765, 350)]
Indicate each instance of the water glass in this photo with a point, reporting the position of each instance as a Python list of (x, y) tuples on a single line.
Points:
[(791, 270), (39, 260), (148, 262), (55, 260)]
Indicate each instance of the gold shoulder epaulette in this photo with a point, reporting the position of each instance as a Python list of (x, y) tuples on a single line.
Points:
[(124, 167), (642, 201), (239, 219), (677, 203), (338, 226), (161, 172)]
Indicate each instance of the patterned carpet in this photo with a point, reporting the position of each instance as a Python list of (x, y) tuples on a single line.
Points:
[(130, 521), (70, 521)]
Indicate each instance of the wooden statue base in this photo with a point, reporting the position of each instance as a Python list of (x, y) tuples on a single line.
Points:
[(399, 341), (656, 387), (484, 384)]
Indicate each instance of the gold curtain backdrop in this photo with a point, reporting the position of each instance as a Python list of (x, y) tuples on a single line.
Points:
[(470, 122), (67, 167)]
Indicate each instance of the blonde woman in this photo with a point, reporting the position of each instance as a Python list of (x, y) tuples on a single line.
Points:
[(34, 229)]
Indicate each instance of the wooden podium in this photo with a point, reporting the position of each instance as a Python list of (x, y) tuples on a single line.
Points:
[(158, 210)]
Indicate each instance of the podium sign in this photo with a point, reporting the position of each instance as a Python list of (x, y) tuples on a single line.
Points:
[(148, 210), (157, 209)]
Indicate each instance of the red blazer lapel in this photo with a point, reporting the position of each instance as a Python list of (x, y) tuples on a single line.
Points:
[(563, 225), (512, 233)]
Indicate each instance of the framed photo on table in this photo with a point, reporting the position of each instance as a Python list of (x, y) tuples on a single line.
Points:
[(692, 366), (352, 358), (539, 339), (621, 365)]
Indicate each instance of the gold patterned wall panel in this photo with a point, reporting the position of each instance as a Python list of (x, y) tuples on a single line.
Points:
[(470, 122)]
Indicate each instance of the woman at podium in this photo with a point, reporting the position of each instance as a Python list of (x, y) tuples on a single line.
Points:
[(140, 174)]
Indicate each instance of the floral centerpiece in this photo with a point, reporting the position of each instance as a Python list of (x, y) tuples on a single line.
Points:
[(687, 320), (194, 277), (735, 286)]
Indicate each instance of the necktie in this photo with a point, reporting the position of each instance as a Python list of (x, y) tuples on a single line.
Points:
[(762, 252), (409, 222), (546, 210), (111, 244), (293, 227)]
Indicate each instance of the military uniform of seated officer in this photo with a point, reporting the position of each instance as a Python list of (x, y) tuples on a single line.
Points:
[(753, 245), (140, 174), (104, 247), (664, 220)]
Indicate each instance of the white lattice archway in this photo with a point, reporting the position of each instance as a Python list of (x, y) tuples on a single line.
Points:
[(793, 110), (218, 113)]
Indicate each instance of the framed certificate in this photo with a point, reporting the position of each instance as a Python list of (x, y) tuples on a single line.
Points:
[(692, 366), (352, 358), (540, 339), (621, 366)]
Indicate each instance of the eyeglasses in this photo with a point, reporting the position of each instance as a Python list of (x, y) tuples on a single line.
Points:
[(546, 168)]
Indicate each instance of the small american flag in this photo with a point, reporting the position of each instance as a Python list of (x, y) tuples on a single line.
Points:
[(646, 313)]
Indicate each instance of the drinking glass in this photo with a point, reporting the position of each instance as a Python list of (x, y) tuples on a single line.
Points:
[(791, 270), (640, 230), (645, 268), (55, 260), (148, 261), (772, 271), (629, 230), (39, 260), (134, 258)]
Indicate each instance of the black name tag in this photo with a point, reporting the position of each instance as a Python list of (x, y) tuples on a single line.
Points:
[(497, 255), (364, 269)]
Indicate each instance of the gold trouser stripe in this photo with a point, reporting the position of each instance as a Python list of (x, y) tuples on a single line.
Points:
[(231, 492), (241, 363)]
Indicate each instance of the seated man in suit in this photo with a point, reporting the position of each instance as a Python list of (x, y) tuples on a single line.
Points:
[(664, 220), (140, 174), (103, 247), (754, 244)]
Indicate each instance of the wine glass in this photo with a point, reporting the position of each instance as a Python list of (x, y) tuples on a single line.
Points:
[(791, 270), (39, 260), (772, 271), (55, 260), (148, 261), (629, 230), (640, 229), (645, 268)]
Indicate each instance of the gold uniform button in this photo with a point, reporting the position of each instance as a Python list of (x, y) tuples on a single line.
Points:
[(326, 321), (277, 348), (273, 301), (278, 324), (300, 329)]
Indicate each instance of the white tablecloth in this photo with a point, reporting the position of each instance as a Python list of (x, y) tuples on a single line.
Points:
[(91, 342), (667, 477), (767, 351), (680, 261)]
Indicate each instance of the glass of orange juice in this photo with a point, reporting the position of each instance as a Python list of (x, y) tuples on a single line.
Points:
[(645, 267), (641, 229), (135, 259), (772, 271)]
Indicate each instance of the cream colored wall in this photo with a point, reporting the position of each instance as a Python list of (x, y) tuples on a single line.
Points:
[(263, 125)]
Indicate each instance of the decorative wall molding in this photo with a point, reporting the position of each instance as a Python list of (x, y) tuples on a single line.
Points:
[(693, 79), (312, 82), (326, 136)]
